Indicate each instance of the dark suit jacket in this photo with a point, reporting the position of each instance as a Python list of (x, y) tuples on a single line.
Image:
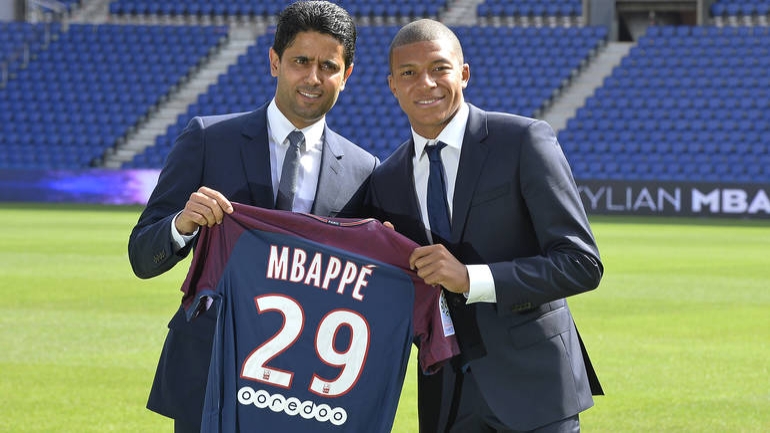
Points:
[(517, 209), (229, 153)]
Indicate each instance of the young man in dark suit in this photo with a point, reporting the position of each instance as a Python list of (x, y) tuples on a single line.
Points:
[(507, 237), (240, 157)]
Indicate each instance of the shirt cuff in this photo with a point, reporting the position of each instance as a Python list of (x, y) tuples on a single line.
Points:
[(482, 284), (180, 240)]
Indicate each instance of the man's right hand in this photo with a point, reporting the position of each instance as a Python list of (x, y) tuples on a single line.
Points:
[(205, 207)]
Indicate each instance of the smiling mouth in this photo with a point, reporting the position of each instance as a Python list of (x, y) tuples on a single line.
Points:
[(309, 95), (427, 101)]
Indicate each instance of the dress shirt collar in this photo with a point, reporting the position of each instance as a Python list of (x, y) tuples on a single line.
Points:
[(452, 134), (281, 127)]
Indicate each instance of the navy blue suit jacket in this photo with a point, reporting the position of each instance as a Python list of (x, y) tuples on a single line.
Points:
[(229, 153), (516, 208)]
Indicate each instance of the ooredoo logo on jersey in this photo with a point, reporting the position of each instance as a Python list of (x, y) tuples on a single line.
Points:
[(292, 406)]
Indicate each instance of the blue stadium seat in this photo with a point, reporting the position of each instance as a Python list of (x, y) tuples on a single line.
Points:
[(681, 92), (94, 74), (703, 112)]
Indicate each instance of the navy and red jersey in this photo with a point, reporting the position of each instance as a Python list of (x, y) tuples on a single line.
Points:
[(315, 322)]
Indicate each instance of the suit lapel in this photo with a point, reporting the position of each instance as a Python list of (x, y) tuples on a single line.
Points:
[(472, 157), (255, 156), (330, 178), (401, 184)]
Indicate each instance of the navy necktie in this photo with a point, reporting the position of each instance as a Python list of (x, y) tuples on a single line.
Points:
[(438, 208), (463, 315), (287, 187)]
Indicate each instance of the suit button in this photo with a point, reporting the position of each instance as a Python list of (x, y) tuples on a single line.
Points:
[(159, 256), (522, 307)]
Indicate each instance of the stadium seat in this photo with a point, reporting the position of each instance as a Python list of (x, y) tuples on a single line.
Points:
[(685, 106), (96, 74)]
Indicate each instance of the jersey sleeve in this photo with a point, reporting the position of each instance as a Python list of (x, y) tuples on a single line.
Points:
[(210, 257), (433, 329)]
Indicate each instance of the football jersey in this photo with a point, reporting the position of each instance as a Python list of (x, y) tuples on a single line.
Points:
[(315, 322)]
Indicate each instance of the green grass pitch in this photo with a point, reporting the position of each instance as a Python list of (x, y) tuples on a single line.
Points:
[(679, 329)]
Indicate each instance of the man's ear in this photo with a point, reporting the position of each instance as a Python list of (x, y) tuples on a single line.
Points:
[(390, 85), (348, 71), (275, 62)]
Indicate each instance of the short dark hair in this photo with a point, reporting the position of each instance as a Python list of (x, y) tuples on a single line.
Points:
[(319, 16), (425, 30)]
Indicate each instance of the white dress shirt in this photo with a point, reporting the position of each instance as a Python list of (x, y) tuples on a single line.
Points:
[(482, 284), (278, 130)]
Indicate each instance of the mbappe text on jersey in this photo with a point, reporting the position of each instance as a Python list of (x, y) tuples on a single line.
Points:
[(294, 265)]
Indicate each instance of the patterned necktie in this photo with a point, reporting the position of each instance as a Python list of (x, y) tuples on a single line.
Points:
[(438, 208), (287, 187)]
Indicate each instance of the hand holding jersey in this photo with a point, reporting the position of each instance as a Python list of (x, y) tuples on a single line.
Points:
[(205, 207), (438, 267)]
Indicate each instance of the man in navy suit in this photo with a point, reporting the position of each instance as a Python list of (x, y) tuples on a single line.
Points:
[(517, 242), (239, 157)]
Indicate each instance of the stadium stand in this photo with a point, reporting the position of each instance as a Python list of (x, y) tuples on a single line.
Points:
[(226, 96), (79, 96), (249, 8), (525, 12), (363, 102), (18, 38), (367, 100), (543, 59), (196, 8), (686, 103)]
